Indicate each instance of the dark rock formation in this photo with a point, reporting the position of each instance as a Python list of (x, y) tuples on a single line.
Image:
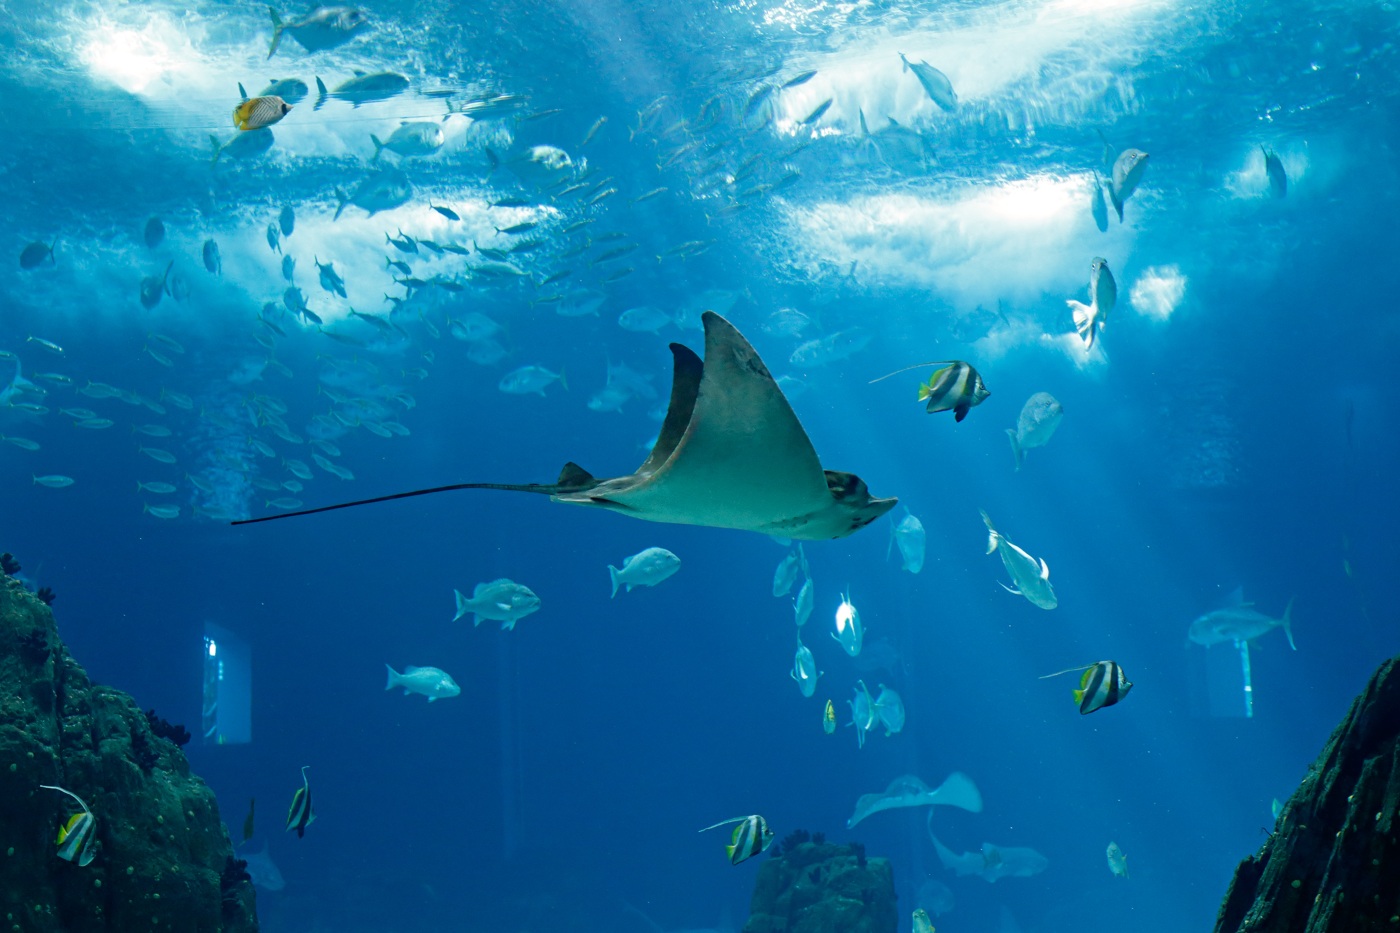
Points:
[(1332, 864), (163, 859), (823, 888)]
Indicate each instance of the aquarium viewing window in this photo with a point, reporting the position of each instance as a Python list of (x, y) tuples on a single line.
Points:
[(227, 703)]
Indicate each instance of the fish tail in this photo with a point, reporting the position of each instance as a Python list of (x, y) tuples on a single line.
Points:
[(1288, 623), (343, 200), (1083, 320), (393, 678), (322, 94), (1016, 450), (378, 148), (277, 28), (993, 536), (616, 580), (461, 605)]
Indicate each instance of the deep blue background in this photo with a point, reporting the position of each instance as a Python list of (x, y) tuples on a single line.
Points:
[(589, 744)]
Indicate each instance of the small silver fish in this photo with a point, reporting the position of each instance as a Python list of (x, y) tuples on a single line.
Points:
[(1103, 296), (935, 83), (325, 27), (1128, 169)]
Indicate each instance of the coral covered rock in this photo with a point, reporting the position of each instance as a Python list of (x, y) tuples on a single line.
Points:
[(822, 887), (1332, 863), (162, 861)]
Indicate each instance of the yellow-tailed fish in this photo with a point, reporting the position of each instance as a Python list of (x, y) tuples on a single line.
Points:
[(829, 719), (751, 837), (258, 112), (957, 387), (75, 837), (300, 815), (1103, 684)]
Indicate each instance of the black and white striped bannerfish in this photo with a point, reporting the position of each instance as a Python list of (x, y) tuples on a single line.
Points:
[(75, 837), (751, 837), (258, 112), (301, 815), (957, 387), (1103, 684)]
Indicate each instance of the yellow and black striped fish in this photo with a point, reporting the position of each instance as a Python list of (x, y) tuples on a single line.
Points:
[(75, 837), (751, 837), (301, 815), (957, 387), (258, 112), (1103, 684)]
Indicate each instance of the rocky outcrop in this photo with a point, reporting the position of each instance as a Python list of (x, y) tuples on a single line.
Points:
[(1333, 862), (821, 887), (163, 861)]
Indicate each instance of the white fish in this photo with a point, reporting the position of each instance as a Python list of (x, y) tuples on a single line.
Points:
[(802, 605), (609, 398), (530, 379), (1031, 577), (323, 28), (381, 191), (804, 670), (1127, 175), (863, 713), (1103, 296), (908, 535), (411, 139), (935, 82), (849, 633), (785, 575), (430, 682), (645, 568), (644, 319), (1239, 622), (502, 600), (889, 708), (830, 349), (1040, 416), (1117, 861)]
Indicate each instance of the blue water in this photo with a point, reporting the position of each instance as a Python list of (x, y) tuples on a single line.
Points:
[(1233, 429)]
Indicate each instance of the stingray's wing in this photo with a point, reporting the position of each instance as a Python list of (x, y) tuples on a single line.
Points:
[(743, 460), (685, 388)]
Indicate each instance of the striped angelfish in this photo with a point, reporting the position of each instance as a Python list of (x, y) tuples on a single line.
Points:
[(957, 387), (1103, 684), (300, 815), (751, 837), (75, 837)]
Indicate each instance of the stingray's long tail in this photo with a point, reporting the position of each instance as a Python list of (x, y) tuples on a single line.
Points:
[(542, 488)]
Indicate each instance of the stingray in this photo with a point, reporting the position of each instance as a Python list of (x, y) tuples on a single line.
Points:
[(731, 454)]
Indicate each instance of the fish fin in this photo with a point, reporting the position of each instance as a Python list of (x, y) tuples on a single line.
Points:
[(277, 28), (729, 850), (1287, 623), (960, 411), (393, 676), (378, 148), (476, 620), (903, 64), (562, 381), (242, 93), (1044, 570), (321, 94), (993, 536), (430, 699), (1236, 598), (616, 581), (1010, 589), (1117, 204), (574, 475), (340, 198), (1015, 448), (218, 149)]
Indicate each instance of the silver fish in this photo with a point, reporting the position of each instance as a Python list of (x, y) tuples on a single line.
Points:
[(325, 27), (1239, 622), (1040, 416), (936, 83), (1127, 175), (381, 191), (410, 140), (1031, 577), (1103, 296), (362, 88), (1099, 207)]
